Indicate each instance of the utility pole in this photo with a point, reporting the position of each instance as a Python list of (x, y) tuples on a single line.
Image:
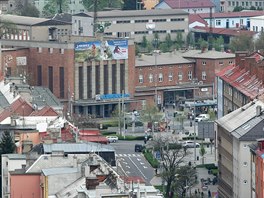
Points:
[(124, 116), (194, 123), (119, 116)]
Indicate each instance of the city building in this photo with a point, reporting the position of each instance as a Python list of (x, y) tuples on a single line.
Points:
[(240, 83), (202, 6), (133, 23), (170, 76), (62, 175), (235, 131), (32, 28), (239, 20), (257, 178), (257, 23), (228, 6), (74, 6)]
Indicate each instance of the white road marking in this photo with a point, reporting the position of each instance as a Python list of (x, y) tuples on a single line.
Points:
[(145, 167), (142, 163), (138, 159), (128, 166), (137, 168)]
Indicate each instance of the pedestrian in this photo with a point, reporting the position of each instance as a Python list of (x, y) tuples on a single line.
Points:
[(209, 193), (156, 171)]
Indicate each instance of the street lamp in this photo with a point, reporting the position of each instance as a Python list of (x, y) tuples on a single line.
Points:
[(155, 52)]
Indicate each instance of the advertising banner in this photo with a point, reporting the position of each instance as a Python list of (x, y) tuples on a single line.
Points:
[(105, 50)]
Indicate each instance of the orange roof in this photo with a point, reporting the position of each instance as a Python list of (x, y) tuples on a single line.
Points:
[(45, 111)]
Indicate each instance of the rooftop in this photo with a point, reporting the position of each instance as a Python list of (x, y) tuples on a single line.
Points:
[(15, 156), (232, 14), (242, 80), (240, 117), (208, 54), (138, 13), (188, 3), (58, 171), (162, 59), (77, 147)]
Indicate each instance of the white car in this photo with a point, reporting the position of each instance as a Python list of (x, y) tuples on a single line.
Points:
[(112, 138), (190, 144), (202, 117)]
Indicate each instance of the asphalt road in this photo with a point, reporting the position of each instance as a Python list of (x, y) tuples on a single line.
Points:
[(131, 163)]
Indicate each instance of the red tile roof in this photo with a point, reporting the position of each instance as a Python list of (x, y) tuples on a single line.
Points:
[(241, 79), (224, 31), (174, 4), (232, 14), (45, 111), (18, 107), (196, 18)]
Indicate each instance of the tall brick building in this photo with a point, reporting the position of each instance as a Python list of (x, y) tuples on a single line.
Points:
[(173, 75), (89, 86), (240, 83)]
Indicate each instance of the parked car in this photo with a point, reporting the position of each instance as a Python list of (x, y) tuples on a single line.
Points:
[(202, 117), (112, 138), (139, 148), (190, 144)]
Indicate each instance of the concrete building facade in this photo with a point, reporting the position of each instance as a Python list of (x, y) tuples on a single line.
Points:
[(235, 132)]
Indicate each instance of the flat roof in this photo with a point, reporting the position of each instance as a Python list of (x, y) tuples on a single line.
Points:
[(15, 156), (22, 20), (208, 54), (162, 59), (138, 13)]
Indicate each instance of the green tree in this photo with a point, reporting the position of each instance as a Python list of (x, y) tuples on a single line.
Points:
[(172, 155), (242, 43), (190, 40), (202, 43), (179, 40), (151, 115), (155, 41), (7, 144), (6, 28), (24, 8), (101, 5), (252, 8), (55, 6), (133, 5), (259, 42), (144, 42), (185, 179), (218, 43), (202, 152), (238, 9)]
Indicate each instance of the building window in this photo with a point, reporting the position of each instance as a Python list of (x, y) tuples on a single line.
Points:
[(62, 51), (50, 78), (245, 163), (159, 99), (204, 63), (230, 62), (39, 75), (159, 20), (203, 75), (221, 62), (124, 21), (180, 75), (178, 19), (190, 75), (160, 77), (141, 21), (179, 66), (50, 50), (218, 22), (62, 82), (39, 50), (140, 78), (170, 76), (150, 78)]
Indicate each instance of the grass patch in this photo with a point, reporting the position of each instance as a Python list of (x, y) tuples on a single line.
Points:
[(150, 158)]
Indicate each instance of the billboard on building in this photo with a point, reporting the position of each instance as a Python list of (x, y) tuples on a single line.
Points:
[(101, 50)]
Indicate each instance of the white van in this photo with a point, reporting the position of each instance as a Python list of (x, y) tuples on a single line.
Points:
[(202, 117)]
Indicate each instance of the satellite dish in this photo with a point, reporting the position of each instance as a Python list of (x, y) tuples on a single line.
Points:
[(150, 26)]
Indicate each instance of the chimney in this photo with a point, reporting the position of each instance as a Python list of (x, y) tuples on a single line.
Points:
[(258, 110), (239, 56)]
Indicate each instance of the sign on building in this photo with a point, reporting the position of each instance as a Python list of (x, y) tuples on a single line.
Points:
[(101, 50), (21, 61)]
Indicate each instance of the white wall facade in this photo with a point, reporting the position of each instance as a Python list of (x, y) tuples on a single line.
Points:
[(257, 24), (241, 169), (9, 165), (82, 26), (230, 22)]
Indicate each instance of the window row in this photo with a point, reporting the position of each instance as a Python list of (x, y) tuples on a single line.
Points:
[(50, 50), (154, 20), (245, 3), (160, 77), (128, 34)]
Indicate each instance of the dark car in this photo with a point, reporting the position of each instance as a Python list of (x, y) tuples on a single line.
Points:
[(139, 148)]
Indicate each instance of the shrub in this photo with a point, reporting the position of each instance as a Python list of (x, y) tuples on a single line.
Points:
[(214, 172), (150, 158)]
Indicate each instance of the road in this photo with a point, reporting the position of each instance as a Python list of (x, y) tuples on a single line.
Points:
[(130, 163)]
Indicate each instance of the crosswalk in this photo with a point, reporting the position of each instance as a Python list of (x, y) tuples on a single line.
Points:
[(128, 155)]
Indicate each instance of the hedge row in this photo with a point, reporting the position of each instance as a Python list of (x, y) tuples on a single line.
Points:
[(150, 158)]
